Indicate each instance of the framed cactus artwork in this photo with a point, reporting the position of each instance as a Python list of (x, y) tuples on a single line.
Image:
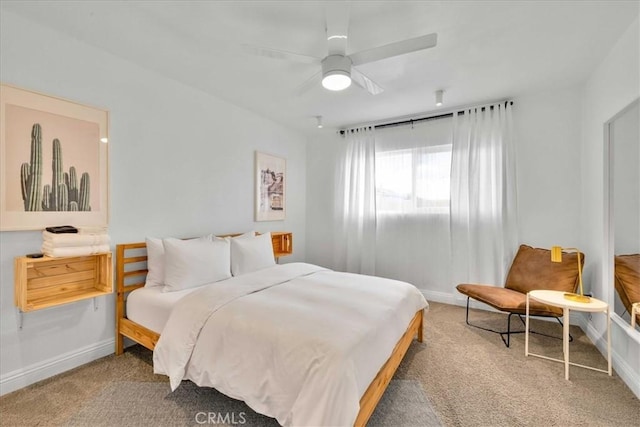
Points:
[(270, 187), (54, 156)]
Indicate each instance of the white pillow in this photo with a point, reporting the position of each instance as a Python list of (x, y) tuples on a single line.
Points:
[(251, 254), (155, 262), (195, 262)]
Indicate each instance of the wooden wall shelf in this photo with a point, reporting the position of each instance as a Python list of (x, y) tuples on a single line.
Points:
[(47, 282), (282, 243)]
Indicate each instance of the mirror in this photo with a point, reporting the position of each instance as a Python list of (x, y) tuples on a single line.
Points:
[(622, 140)]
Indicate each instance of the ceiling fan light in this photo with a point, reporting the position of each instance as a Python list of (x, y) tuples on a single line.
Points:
[(336, 72), (336, 80)]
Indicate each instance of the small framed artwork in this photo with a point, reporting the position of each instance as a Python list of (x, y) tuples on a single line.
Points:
[(270, 187), (54, 155)]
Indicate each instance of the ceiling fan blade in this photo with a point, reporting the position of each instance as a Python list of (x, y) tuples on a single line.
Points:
[(394, 49), (365, 82), (280, 54), (305, 86), (337, 23)]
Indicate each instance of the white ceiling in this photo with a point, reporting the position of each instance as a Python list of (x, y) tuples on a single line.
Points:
[(487, 50)]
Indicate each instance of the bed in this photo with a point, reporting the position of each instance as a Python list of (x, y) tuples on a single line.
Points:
[(211, 343)]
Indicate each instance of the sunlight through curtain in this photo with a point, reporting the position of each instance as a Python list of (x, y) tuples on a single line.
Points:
[(413, 165)]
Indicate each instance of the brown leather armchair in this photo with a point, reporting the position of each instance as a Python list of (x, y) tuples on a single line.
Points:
[(627, 282), (531, 269)]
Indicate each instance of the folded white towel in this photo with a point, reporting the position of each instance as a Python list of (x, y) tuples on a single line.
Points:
[(64, 240), (92, 230), (51, 251)]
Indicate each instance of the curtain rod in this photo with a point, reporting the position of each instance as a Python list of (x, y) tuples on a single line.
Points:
[(420, 119)]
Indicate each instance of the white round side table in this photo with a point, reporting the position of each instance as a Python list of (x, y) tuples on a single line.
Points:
[(557, 299)]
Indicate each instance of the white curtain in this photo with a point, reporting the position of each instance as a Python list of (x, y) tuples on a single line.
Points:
[(483, 195), (432, 204), (356, 204)]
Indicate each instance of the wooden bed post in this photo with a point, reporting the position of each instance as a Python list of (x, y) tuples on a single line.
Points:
[(122, 323), (119, 298)]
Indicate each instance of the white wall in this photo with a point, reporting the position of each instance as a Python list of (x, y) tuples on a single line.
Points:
[(181, 164), (323, 154), (547, 132), (613, 85)]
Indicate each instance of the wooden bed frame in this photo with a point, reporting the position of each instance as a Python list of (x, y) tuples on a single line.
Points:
[(129, 279)]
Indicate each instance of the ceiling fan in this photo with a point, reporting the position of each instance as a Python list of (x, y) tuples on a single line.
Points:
[(337, 68)]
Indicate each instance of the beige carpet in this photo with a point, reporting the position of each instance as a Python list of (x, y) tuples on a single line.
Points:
[(472, 379), (128, 403), (468, 375)]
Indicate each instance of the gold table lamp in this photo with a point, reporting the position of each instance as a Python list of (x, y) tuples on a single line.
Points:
[(556, 256)]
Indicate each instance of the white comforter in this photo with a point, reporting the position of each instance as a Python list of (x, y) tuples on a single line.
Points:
[(296, 342)]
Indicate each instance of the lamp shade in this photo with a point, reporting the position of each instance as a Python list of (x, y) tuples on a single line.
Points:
[(556, 254), (336, 80)]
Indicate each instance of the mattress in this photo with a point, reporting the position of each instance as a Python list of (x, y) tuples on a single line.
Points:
[(150, 307)]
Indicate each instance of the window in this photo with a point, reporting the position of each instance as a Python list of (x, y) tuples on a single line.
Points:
[(415, 180)]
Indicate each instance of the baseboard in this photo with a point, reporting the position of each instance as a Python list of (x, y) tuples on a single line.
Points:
[(622, 368), (442, 297), (453, 299), (20, 378)]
